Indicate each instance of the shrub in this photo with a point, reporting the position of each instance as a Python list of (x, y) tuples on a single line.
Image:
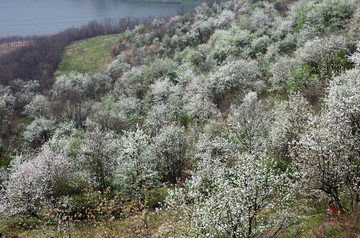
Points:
[(37, 182), (235, 75), (325, 167), (39, 130), (7, 104), (38, 107), (221, 200), (170, 148)]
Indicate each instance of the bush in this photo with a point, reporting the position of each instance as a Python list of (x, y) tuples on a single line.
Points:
[(37, 182)]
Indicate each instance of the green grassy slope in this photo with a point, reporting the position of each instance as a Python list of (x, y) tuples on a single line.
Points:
[(88, 56)]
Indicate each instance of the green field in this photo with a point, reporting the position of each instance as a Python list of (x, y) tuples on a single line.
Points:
[(88, 56)]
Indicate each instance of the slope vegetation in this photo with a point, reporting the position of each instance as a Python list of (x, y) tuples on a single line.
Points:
[(88, 56), (240, 119)]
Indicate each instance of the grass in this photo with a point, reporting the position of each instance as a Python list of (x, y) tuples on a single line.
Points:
[(305, 225), (17, 228), (88, 56), (129, 221), (135, 225)]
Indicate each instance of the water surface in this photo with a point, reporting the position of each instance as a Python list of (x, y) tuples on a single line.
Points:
[(28, 17)]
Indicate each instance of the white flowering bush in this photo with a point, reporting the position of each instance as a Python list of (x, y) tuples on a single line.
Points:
[(261, 19), (160, 69), (260, 44), (323, 16), (7, 104), (76, 86), (24, 91), (161, 90), (289, 119), (326, 156), (68, 140), (282, 71), (72, 94), (282, 27), (322, 50), (36, 182), (235, 75), (98, 154), (38, 107), (355, 57), (353, 33), (70, 85), (212, 142), (198, 58), (39, 130), (335, 13), (168, 102), (224, 19), (159, 115), (247, 199), (320, 59), (289, 43), (170, 148), (97, 85), (130, 83), (200, 29), (136, 164), (224, 43), (117, 113), (248, 124), (197, 104), (118, 66)]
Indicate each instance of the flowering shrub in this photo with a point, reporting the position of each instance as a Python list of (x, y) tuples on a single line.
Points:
[(243, 200), (326, 153), (170, 148), (289, 119), (136, 165), (7, 103), (117, 113), (39, 131), (248, 124), (241, 113), (98, 154), (282, 71), (36, 182), (235, 75), (38, 107), (197, 104)]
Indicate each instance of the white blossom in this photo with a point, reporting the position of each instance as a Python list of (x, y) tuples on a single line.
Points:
[(234, 201), (36, 182)]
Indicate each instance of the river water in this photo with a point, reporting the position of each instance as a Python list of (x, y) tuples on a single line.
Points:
[(39, 17)]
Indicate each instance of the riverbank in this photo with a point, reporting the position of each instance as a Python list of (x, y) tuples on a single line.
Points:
[(170, 1), (44, 18)]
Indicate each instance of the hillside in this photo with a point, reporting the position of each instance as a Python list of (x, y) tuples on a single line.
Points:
[(239, 119), (88, 56)]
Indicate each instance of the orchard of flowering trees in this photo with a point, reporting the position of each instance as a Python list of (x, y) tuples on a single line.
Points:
[(239, 119)]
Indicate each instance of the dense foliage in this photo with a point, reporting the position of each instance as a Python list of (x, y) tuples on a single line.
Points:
[(248, 114)]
